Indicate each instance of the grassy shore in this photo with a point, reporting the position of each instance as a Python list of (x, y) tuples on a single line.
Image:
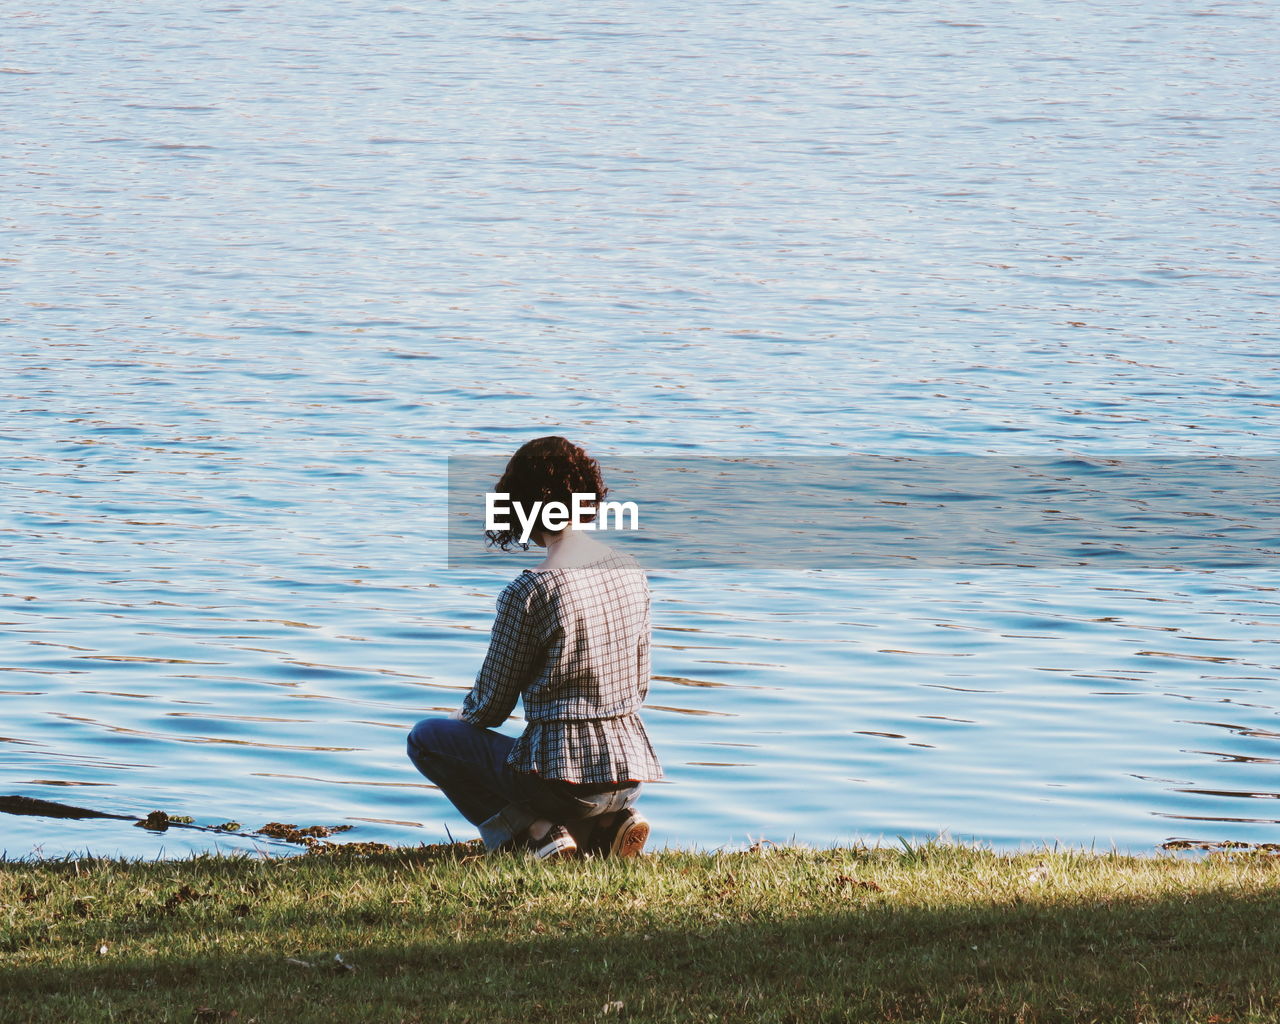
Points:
[(931, 933)]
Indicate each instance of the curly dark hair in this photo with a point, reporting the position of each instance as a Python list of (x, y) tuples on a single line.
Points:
[(546, 469)]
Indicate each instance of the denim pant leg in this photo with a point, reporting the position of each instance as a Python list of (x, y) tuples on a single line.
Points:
[(469, 764)]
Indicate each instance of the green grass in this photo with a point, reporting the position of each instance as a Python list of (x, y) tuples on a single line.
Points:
[(929, 933)]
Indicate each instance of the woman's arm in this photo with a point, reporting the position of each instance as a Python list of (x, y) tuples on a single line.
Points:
[(515, 655)]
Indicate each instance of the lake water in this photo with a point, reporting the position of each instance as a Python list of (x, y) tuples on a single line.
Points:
[(267, 267)]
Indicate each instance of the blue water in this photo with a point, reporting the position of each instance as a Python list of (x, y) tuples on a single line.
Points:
[(268, 266)]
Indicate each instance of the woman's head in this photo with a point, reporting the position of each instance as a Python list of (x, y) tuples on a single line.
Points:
[(547, 469)]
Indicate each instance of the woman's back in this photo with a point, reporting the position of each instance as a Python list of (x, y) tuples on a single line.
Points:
[(596, 632), (574, 643)]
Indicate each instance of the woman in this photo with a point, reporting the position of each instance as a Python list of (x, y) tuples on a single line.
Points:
[(571, 638)]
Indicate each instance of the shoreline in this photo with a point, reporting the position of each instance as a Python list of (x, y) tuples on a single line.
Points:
[(290, 840)]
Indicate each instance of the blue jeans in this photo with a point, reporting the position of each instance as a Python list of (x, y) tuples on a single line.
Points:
[(469, 764)]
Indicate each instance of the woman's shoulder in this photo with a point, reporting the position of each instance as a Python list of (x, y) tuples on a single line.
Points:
[(617, 569), (614, 561), (520, 589)]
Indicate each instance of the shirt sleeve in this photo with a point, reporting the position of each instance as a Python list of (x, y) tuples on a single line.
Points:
[(515, 655)]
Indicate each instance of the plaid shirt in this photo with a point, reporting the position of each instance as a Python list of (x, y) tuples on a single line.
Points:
[(574, 643)]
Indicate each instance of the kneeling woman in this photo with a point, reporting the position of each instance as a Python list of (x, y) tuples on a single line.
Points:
[(571, 638)]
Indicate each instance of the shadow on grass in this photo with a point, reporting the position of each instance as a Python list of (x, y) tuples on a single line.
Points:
[(1198, 958)]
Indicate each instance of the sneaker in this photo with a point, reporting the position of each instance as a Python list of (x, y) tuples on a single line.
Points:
[(557, 844), (625, 837)]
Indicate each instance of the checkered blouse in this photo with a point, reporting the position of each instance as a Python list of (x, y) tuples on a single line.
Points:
[(574, 643)]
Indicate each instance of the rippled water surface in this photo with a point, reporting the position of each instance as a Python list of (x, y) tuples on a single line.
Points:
[(268, 266)]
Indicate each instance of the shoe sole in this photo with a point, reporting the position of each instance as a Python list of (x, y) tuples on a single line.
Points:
[(630, 839)]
